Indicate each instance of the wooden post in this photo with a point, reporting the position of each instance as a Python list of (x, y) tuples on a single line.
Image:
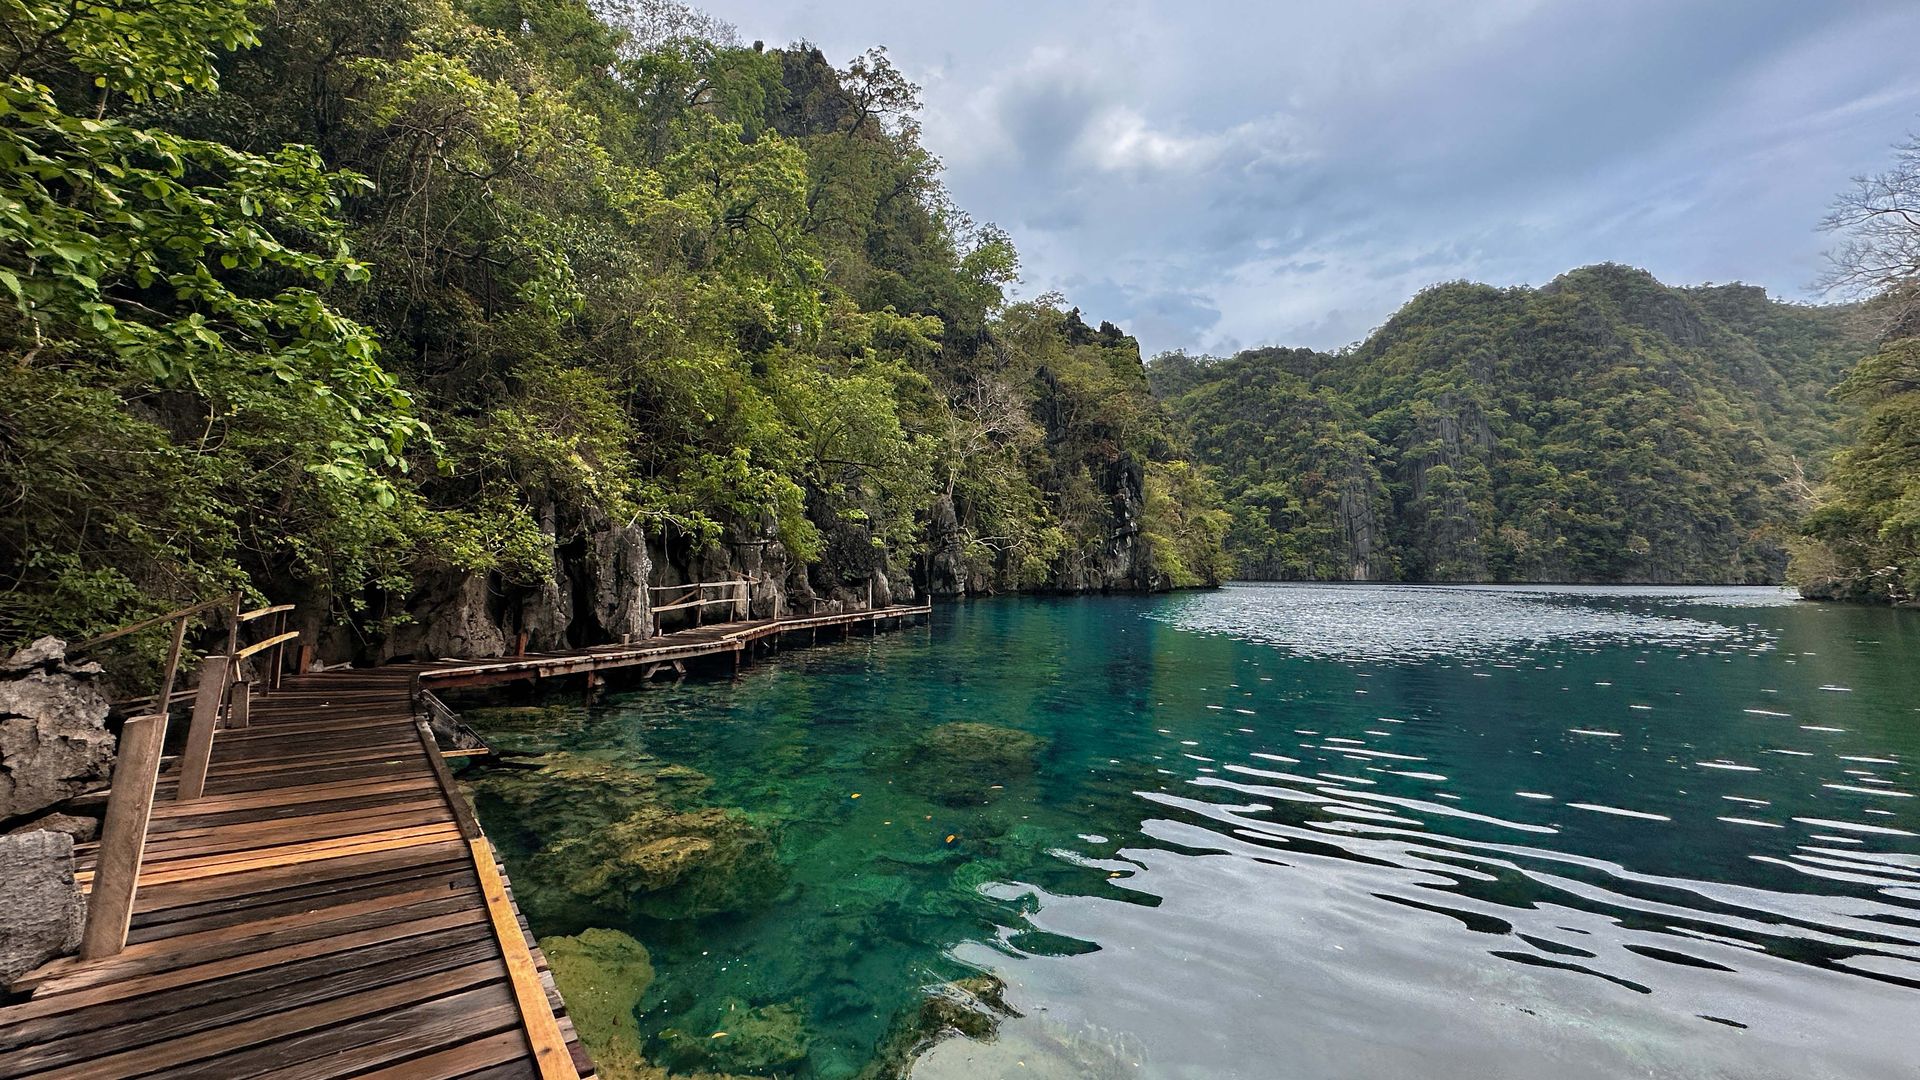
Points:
[(206, 711), (240, 705), (123, 838), (520, 644), (162, 702), (277, 661), (233, 626), (305, 663)]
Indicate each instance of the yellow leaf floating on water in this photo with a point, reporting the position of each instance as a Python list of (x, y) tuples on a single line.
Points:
[(718, 1035), (951, 837), (855, 795)]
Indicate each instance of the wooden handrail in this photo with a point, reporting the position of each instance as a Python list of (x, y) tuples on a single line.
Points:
[(696, 603), (700, 585), (263, 646), (148, 624), (259, 613)]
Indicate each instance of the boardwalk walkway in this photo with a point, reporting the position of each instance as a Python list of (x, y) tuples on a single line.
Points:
[(329, 907)]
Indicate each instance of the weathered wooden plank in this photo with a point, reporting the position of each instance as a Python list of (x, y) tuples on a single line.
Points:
[(536, 1016), (175, 1019), (464, 1060), (202, 1046)]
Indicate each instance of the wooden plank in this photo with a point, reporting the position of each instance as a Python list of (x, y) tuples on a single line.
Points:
[(201, 1046), (124, 835), (345, 1049), (48, 1003), (456, 802), (295, 854), (461, 942), (225, 943), (462, 1060), (180, 1018), (549, 1049)]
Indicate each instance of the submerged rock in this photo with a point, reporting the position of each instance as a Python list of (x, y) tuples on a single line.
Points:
[(769, 1039), (663, 864), (970, 1008), (960, 764), (603, 974)]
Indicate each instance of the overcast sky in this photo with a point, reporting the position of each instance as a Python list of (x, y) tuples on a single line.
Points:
[(1214, 175)]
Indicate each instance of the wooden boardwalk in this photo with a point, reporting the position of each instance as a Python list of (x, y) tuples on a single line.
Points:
[(329, 907)]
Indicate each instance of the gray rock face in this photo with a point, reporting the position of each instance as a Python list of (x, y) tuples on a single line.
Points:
[(41, 910), (451, 616), (82, 829), (621, 568), (947, 566), (54, 742)]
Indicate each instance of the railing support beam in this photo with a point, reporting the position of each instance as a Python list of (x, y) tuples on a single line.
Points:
[(123, 838), (206, 713)]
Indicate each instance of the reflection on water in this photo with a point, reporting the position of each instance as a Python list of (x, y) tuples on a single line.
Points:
[(1316, 832)]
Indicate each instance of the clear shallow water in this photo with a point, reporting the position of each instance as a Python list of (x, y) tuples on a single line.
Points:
[(1316, 832)]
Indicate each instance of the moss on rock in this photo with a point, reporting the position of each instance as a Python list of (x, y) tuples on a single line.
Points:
[(769, 1039), (663, 864), (960, 764)]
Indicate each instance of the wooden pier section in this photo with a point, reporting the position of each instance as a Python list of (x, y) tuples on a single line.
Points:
[(328, 906)]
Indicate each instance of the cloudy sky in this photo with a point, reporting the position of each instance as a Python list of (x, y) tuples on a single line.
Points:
[(1214, 175)]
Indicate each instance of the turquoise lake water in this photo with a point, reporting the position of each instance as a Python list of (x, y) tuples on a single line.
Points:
[(1300, 831)]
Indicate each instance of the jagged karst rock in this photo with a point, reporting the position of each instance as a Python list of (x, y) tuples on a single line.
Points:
[(41, 909), (620, 572), (54, 742), (947, 564), (961, 763), (450, 615)]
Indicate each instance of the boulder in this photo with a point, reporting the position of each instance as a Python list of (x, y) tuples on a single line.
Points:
[(82, 829), (54, 742), (663, 864), (970, 1008), (603, 974), (41, 909), (960, 764)]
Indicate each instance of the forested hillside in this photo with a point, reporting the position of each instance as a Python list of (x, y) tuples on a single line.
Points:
[(457, 320), (1862, 539), (1603, 428)]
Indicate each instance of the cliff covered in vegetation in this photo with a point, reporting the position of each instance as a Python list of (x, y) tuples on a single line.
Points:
[(1603, 428), (460, 320)]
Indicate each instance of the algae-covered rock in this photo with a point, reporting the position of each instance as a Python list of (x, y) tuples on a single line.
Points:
[(662, 863), (603, 974), (971, 1008), (961, 763), (770, 1039)]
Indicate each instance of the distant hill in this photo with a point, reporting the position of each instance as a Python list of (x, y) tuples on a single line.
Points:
[(1603, 428)]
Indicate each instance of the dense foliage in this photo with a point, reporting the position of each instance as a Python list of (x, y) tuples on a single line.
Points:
[(1862, 540), (1604, 428), (329, 297)]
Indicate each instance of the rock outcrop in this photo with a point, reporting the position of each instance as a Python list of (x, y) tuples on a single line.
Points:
[(41, 909), (54, 742)]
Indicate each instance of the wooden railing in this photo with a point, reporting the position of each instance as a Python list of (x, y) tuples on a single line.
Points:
[(221, 692), (693, 594)]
